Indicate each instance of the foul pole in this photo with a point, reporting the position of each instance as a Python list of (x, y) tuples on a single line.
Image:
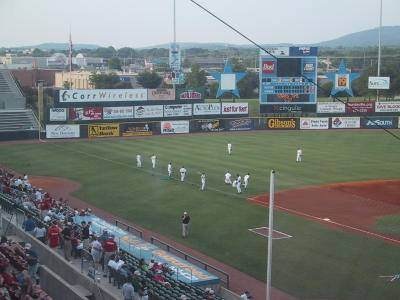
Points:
[(270, 231)]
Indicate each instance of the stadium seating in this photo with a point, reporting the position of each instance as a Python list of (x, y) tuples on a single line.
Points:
[(17, 120), (11, 96)]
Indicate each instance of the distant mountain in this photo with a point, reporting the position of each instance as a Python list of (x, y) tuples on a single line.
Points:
[(390, 37), (59, 46)]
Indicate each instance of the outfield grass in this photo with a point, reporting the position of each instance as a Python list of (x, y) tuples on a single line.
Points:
[(388, 224), (318, 262)]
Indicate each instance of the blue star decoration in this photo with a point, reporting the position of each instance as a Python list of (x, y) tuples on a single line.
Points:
[(228, 81), (342, 80)]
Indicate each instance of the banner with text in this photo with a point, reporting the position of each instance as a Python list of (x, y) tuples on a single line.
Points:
[(192, 94), (379, 122), (161, 94), (212, 125), (235, 108), (345, 122), (203, 109), (282, 123), (314, 123), (149, 111), (110, 95), (360, 107), (385, 107), (136, 129), (58, 114), (331, 107), (85, 114), (63, 131), (178, 110), (115, 113), (239, 124), (103, 130), (173, 127)]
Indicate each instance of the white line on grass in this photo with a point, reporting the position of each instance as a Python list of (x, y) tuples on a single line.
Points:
[(285, 235)]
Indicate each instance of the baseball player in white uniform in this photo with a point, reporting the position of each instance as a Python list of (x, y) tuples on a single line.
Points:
[(299, 155), (138, 161), (203, 181), (183, 173), (246, 180), (153, 160), (239, 184), (169, 168), (229, 148), (228, 178)]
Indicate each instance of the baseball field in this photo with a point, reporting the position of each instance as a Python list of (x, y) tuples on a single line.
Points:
[(335, 248)]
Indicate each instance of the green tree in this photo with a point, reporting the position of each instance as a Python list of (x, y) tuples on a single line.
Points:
[(105, 52), (114, 64), (237, 65), (149, 80), (248, 86), (66, 85), (39, 53), (196, 78), (104, 81), (126, 52)]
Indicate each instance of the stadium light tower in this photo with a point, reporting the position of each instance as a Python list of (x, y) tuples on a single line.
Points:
[(379, 46)]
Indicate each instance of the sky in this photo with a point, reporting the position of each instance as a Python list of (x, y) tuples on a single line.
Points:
[(140, 23)]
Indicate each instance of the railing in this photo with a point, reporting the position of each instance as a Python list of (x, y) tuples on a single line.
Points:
[(129, 228), (218, 272)]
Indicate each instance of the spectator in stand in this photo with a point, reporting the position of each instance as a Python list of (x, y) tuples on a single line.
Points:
[(40, 233), (246, 295), (96, 251), (29, 225), (128, 291), (85, 234), (67, 236), (75, 242), (53, 235), (115, 263), (33, 262), (142, 265), (110, 248)]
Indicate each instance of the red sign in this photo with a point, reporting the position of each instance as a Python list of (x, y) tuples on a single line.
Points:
[(355, 108), (268, 67), (85, 114)]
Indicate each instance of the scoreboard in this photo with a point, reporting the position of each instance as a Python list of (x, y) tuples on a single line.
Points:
[(285, 79)]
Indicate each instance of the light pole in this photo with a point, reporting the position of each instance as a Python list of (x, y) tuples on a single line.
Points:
[(270, 231), (379, 46)]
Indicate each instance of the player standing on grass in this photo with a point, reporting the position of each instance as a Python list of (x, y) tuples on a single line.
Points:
[(138, 161), (203, 181), (185, 219), (229, 148), (228, 178), (153, 160), (246, 180), (238, 184), (169, 168), (299, 155), (183, 173)]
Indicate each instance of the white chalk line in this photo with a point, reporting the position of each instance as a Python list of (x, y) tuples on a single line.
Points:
[(285, 235), (330, 221)]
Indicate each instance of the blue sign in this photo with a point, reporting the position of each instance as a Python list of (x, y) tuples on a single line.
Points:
[(185, 271), (342, 80), (303, 51), (228, 81), (239, 124), (379, 122)]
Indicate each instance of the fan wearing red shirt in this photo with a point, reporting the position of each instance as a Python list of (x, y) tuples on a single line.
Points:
[(53, 235), (110, 247)]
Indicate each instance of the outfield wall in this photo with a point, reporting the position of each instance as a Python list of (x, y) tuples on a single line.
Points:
[(168, 127)]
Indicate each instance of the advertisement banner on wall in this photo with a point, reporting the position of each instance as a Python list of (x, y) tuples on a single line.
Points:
[(85, 114), (378, 83), (346, 122), (161, 94), (282, 123), (58, 114), (136, 129), (314, 123), (111, 95), (235, 108), (239, 124), (63, 131), (115, 113), (287, 108), (331, 108), (212, 125), (196, 94), (379, 122), (360, 107), (174, 127), (149, 111), (203, 109), (103, 130), (178, 110), (384, 107)]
